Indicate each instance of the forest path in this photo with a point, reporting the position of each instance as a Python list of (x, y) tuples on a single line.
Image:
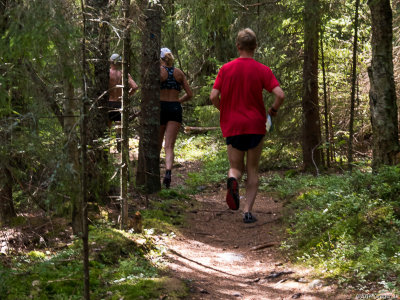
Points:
[(223, 258)]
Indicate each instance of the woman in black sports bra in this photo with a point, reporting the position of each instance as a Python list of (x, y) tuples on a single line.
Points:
[(172, 82)]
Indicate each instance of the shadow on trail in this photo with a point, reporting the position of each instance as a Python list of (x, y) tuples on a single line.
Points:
[(223, 258)]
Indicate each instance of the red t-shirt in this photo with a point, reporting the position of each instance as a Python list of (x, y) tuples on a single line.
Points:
[(241, 83)]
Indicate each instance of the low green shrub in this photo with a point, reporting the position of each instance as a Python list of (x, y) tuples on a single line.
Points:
[(120, 267), (348, 226), (163, 216), (215, 168), (276, 156), (207, 115)]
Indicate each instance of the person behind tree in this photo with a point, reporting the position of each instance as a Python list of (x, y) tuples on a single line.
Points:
[(115, 89), (172, 81), (238, 95)]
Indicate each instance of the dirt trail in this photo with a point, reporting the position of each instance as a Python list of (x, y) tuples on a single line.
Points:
[(223, 258)]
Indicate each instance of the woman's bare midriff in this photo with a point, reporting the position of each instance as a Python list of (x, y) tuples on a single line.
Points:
[(169, 95)]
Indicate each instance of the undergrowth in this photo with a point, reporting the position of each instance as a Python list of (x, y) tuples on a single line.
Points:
[(164, 216), (346, 226), (123, 264), (211, 151)]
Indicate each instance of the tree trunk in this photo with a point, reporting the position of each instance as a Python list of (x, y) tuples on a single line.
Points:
[(382, 95), (148, 172), (71, 148), (331, 131), (353, 90), (84, 191), (70, 110), (312, 156), (97, 86), (326, 111), (124, 118), (99, 41), (7, 211)]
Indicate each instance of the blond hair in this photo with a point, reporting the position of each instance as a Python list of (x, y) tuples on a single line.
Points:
[(246, 40), (168, 59)]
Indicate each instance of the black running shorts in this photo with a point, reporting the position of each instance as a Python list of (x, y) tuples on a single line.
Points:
[(244, 142), (114, 111), (170, 111)]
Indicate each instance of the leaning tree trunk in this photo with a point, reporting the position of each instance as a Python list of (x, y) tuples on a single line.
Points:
[(312, 153), (148, 172), (382, 95)]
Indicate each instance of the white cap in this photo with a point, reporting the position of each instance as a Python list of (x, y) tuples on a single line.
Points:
[(115, 58), (164, 51)]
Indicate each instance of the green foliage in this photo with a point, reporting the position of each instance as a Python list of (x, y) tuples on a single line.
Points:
[(195, 147), (120, 266), (163, 216), (278, 156), (40, 38), (36, 255), (150, 289), (207, 116), (215, 168), (348, 226), (211, 151)]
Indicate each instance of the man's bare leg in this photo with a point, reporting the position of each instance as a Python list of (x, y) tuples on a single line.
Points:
[(253, 159), (236, 162)]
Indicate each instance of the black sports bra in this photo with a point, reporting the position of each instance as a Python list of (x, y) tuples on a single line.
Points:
[(170, 83)]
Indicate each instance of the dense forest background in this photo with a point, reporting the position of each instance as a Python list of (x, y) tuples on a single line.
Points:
[(43, 67), (55, 146)]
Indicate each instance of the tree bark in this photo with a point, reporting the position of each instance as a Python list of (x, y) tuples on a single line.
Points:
[(98, 38), (312, 156), (72, 151), (7, 211), (70, 121), (148, 172), (382, 95), (125, 118), (353, 90), (84, 190), (99, 41), (326, 111), (331, 131)]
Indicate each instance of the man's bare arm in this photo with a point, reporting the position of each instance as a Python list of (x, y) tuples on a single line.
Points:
[(215, 98), (279, 97)]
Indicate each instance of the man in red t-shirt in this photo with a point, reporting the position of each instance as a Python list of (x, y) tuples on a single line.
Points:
[(237, 93)]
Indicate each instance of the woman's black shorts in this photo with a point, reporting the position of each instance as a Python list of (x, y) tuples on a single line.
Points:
[(114, 110), (170, 111), (244, 142)]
